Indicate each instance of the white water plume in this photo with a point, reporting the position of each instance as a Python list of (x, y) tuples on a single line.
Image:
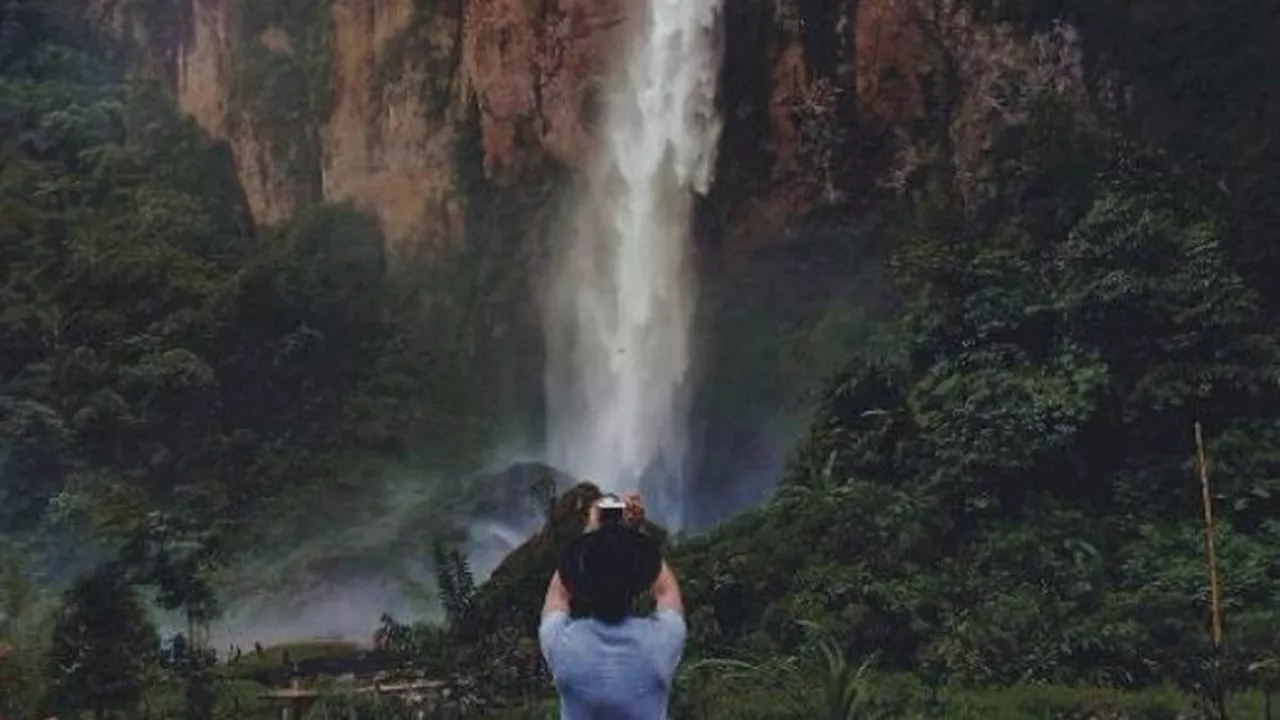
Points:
[(618, 312)]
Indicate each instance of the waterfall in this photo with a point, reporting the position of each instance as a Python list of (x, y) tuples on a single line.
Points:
[(619, 304)]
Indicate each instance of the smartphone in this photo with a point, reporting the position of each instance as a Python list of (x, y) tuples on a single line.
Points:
[(611, 507)]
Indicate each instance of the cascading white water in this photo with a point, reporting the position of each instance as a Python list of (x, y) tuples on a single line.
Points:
[(619, 308)]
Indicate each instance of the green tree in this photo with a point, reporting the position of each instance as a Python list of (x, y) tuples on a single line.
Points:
[(24, 634), (457, 585), (104, 647)]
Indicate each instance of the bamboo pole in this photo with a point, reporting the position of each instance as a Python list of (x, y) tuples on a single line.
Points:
[(1211, 541), (1215, 586)]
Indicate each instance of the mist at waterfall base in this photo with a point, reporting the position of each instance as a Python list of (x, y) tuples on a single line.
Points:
[(338, 584)]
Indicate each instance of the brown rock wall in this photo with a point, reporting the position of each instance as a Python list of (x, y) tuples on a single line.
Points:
[(827, 76)]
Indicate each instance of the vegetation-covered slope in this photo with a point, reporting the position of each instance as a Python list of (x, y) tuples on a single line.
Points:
[(1010, 493), (178, 387), (156, 346), (181, 392)]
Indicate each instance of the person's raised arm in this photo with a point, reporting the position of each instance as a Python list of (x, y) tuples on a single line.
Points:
[(555, 616), (666, 591), (668, 633), (557, 598)]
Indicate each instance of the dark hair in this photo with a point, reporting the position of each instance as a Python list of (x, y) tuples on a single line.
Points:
[(606, 570), (610, 610)]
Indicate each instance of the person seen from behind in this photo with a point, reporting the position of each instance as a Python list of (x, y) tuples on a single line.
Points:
[(609, 663)]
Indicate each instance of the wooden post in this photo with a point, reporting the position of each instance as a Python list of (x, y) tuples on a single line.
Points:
[(1215, 586), (1211, 541)]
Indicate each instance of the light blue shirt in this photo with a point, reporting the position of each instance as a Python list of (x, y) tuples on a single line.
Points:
[(613, 672)]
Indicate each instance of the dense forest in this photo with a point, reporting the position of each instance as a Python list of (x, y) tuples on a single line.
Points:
[(996, 511), (179, 387)]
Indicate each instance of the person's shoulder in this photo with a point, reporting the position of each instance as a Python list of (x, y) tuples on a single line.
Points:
[(668, 620), (667, 615), (665, 637)]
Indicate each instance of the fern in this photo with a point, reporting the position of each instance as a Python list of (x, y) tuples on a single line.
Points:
[(843, 693), (456, 580), (826, 686)]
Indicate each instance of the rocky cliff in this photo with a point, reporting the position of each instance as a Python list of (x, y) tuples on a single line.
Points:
[(408, 107)]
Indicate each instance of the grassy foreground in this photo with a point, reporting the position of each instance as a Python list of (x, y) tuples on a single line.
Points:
[(819, 684), (890, 697), (903, 698)]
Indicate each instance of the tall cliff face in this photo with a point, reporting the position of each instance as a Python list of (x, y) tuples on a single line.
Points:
[(403, 106)]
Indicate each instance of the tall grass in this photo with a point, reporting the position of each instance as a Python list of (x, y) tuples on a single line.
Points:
[(820, 683)]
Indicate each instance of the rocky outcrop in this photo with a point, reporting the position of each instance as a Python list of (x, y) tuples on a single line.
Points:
[(918, 57), (536, 68), (402, 106), (390, 93), (833, 101), (514, 593), (389, 142)]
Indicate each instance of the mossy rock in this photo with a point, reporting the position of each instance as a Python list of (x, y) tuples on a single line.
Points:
[(512, 597)]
